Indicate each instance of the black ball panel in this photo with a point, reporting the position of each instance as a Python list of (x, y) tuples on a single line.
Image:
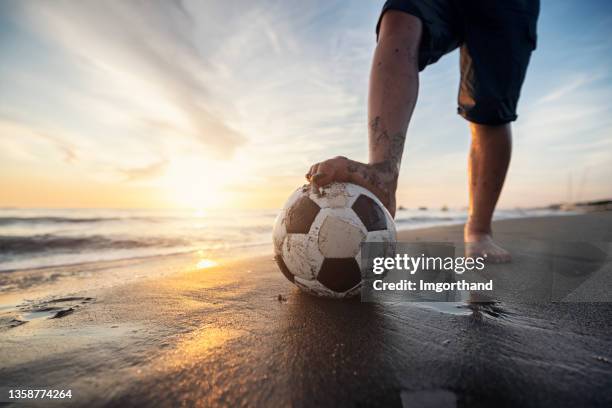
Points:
[(301, 215), (339, 274), (370, 213)]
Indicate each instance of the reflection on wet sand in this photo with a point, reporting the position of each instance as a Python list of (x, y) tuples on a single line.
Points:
[(337, 352), (194, 347), (206, 263)]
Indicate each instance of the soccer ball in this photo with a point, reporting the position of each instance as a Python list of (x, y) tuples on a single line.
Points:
[(317, 237)]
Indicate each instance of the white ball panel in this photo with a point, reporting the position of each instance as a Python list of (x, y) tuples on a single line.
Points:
[(339, 238), (331, 196), (301, 255), (279, 232), (349, 216)]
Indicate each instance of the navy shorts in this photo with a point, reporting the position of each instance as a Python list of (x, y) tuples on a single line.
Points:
[(495, 37)]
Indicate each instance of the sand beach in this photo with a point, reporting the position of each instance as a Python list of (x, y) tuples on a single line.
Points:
[(240, 334)]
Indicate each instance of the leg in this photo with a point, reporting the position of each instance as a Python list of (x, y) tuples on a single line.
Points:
[(394, 84), (488, 162), (498, 42), (392, 97)]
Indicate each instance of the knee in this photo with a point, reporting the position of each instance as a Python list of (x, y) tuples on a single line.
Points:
[(401, 26)]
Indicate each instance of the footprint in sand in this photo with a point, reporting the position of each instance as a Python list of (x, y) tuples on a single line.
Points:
[(54, 308)]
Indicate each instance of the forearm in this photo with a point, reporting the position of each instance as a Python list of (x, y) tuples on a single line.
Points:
[(392, 96)]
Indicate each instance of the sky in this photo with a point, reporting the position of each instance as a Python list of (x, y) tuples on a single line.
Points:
[(201, 104)]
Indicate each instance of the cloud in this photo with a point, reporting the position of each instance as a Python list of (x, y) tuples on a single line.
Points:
[(17, 135), (569, 87), (142, 54), (145, 173), (563, 90), (68, 150)]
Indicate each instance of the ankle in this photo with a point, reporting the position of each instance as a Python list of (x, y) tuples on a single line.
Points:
[(475, 229), (389, 168)]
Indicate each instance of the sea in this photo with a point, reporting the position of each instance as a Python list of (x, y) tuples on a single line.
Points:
[(39, 238)]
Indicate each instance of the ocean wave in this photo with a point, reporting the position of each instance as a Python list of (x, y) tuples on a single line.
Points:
[(6, 221), (50, 242), (54, 220), (427, 219)]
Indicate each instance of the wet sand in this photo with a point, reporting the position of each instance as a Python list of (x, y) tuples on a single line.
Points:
[(224, 337)]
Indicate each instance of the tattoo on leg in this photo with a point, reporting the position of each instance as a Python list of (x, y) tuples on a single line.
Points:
[(374, 124), (392, 145), (383, 136)]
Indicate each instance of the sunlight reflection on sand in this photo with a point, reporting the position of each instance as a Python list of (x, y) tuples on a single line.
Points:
[(206, 263)]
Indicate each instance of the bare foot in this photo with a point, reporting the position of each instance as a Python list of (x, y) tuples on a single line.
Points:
[(379, 178), (482, 245)]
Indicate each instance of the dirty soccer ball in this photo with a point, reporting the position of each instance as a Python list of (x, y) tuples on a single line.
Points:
[(317, 237)]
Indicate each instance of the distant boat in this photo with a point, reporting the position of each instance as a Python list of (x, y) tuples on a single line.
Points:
[(444, 208), (401, 208), (422, 208)]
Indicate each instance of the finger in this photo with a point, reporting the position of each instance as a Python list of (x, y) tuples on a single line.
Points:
[(313, 171), (321, 179), (325, 174)]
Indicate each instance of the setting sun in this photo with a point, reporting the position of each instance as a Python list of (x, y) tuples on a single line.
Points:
[(198, 184)]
